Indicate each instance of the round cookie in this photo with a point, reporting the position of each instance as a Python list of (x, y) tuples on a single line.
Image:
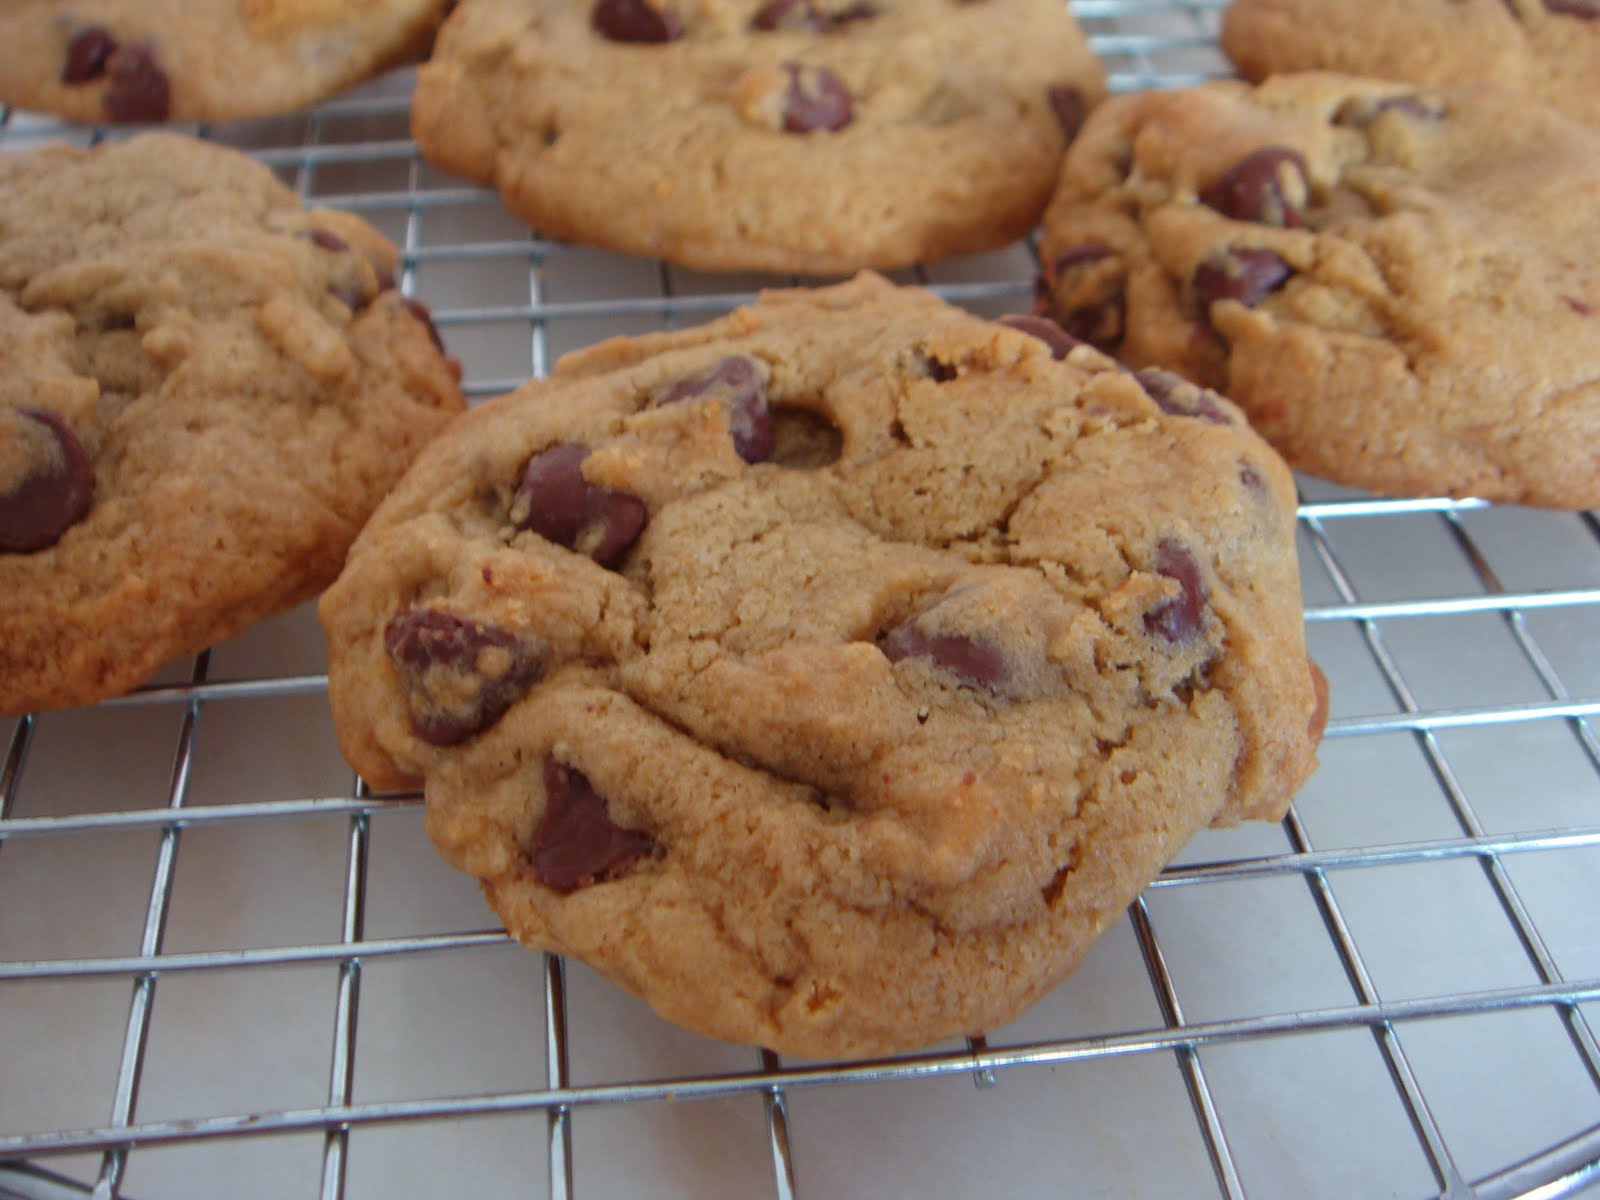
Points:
[(1545, 49), (1401, 288), (833, 674), (205, 389), (200, 60), (787, 135)]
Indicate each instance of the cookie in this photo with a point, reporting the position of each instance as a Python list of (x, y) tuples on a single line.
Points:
[(1546, 49), (200, 60), (1400, 287), (204, 391), (810, 136), (833, 674)]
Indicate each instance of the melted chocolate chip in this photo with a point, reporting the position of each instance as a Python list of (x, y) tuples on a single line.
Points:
[(53, 497), (1083, 291), (635, 21), (1360, 111), (740, 385), (1058, 339), (330, 242), (556, 502), (1584, 10), (1269, 186), (815, 99), (1180, 617), (1247, 274), (137, 89), (1070, 108), (460, 675), (577, 844), (1176, 395), (787, 14), (975, 663), (419, 310), (87, 52)]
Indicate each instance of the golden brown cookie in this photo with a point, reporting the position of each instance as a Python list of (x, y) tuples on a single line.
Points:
[(204, 391), (1400, 287), (831, 675), (787, 135), (200, 60), (1548, 50)]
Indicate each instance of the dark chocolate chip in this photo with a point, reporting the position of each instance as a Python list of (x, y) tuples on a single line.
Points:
[(635, 21), (460, 675), (577, 843), (419, 310), (86, 55), (137, 89), (787, 14), (1180, 617), (1252, 479), (1083, 290), (330, 242), (1360, 111), (53, 497), (1270, 186), (815, 99), (555, 501), (739, 383), (1058, 339), (975, 663), (1584, 10), (1068, 104), (1176, 395), (1248, 274)]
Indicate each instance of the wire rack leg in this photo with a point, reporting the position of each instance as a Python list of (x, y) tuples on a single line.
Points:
[(556, 1075), (341, 1072)]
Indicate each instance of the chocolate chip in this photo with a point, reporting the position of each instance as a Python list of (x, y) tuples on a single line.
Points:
[(460, 675), (740, 384), (1584, 10), (850, 14), (976, 663), (787, 14), (419, 310), (635, 21), (1269, 186), (1180, 617), (1176, 395), (577, 843), (1253, 480), (1058, 339), (1070, 108), (330, 242), (87, 52), (815, 99), (556, 502), (1247, 274), (53, 496), (137, 89), (1360, 111), (1083, 291)]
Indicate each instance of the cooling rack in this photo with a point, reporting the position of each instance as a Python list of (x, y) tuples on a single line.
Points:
[(226, 970)]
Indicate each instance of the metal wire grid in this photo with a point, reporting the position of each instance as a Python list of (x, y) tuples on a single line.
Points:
[(1144, 44)]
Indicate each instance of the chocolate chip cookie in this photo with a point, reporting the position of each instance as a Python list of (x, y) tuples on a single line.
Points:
[(833, 674), (204, 391), (1401, 287), (1546, 49), (200, 60), (786, 135)]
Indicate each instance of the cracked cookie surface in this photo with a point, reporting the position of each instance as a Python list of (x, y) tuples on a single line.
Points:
[(205, 389), (1399, 286), (1548, 50), (833, 674), (200, 60), (793, 135)]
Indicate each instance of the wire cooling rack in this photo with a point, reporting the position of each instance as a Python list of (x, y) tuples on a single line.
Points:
[(1395, 993)]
